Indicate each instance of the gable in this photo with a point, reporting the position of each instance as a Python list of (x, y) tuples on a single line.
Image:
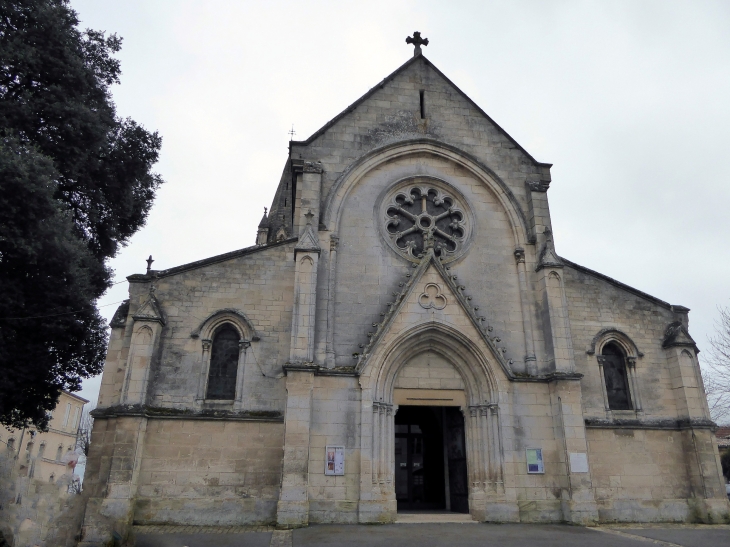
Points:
[(407, 118), (431, 296), (390, 113)]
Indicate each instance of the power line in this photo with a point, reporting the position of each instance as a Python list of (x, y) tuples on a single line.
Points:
[(55, 314)]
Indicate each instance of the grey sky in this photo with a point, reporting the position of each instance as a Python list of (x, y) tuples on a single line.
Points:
[(629, 100)]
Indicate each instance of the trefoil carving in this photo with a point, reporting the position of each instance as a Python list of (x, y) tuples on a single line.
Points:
[(432, 297)]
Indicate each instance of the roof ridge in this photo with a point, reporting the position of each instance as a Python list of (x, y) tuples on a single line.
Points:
[(392, 75)]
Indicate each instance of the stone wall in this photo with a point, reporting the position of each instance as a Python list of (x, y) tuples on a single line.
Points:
[(335, 421), (209, 473), (640, 475), (259, 284), (37, 512)]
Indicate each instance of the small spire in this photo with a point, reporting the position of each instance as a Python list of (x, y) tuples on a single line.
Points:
[(417, 42), (149, 264), (265, 219), (292, 133)]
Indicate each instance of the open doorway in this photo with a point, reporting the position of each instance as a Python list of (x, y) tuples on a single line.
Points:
[(430, 459)]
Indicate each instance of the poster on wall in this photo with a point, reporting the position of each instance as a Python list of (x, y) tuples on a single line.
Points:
[(578, 462), (334, 463), (534, 460)]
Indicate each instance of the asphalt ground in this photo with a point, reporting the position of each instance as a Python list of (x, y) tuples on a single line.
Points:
[(452, 534)]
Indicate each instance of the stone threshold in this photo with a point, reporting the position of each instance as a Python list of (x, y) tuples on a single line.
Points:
[(433, 517)]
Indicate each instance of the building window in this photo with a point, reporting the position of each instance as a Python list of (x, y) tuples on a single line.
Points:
[(616, 377), (75, 422), (41, 450), (66, 416), (223, 364), (11, 444), (59, 453)]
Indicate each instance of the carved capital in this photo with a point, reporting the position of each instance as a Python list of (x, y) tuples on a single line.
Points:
[(631, 361), (334, 242), (538, 185), (520, 255), (244, 344), (313, 167), (206, 344)]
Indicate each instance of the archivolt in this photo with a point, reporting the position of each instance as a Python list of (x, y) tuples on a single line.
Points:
[(612, 334), (473, 366), (349, 179), (229, 315)]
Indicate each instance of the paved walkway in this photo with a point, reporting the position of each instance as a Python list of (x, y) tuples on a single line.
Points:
[(464, 534)]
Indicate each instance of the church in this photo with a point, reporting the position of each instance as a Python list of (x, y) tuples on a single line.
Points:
[(402, 337)]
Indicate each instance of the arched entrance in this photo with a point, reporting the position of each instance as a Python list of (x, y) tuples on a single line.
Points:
[(435, 436), (430, 459)]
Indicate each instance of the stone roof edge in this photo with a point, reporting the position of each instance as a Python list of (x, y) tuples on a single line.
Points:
[(156, 274), (387, 79), (617, 284)]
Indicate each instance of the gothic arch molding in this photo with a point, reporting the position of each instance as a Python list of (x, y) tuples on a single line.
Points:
[(612, 334), (233, 316), (332, 209), (476, 370)]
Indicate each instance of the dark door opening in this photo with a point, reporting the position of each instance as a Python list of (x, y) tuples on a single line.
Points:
[(430, 459)]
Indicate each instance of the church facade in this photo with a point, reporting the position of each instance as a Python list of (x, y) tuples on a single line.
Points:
[(403, 336)]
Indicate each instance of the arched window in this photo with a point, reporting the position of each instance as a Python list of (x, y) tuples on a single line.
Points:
[(59, 453), (616, 377), (41, 450), (11, 444), (51, 478), (223, 363)]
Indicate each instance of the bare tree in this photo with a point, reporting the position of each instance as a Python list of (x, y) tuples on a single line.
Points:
[(717, 369), (83, 435)]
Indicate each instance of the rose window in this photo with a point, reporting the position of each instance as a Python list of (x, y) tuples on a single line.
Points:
[(418, 218)]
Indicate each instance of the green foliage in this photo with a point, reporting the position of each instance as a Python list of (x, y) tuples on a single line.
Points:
[(75, 184)]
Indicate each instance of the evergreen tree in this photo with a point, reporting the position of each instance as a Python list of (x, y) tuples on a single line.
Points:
[(75, 184)]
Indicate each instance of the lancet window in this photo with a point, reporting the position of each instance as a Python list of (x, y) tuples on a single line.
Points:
[(616, 377), (223, 363)]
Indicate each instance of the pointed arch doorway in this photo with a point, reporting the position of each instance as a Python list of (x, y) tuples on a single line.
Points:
[(430, 459)]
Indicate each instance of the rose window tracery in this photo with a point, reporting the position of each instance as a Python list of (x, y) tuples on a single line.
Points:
[(422, 217)]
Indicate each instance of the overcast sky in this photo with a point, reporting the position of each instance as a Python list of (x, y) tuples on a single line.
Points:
[(629, 100)]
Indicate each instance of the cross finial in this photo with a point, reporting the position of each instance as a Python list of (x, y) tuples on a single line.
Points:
[(266, 210), (292, 133), (417, 41), (149, 263), (309, 216)]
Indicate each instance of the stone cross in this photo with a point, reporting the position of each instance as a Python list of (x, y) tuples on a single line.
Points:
[(417, 41), (149, 263)]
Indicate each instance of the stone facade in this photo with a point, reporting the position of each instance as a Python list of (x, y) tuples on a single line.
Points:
[(407, 261)]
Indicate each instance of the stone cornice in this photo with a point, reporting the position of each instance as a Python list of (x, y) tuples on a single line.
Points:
[(320, 370), (673, 424), (163, 413)]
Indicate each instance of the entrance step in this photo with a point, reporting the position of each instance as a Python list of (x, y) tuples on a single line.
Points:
[(433, 517)]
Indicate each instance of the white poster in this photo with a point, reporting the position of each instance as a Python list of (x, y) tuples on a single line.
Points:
[(334, 463), (578, 462)]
